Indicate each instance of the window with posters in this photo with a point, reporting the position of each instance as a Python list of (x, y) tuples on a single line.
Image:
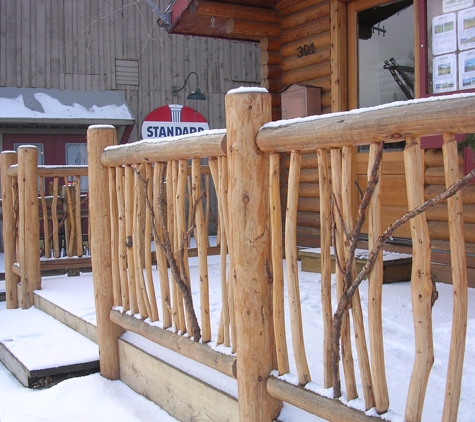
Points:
[(450, 46), (447, 59)]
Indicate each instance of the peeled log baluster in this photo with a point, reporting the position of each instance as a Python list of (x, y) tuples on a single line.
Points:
[(277, 267), (201, 244), (375, 292), (325, 244), (458, 262), (421, 284), (292, 270), (346, 352)]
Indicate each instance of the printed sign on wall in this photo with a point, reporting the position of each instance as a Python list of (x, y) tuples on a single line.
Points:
[(172, 120)]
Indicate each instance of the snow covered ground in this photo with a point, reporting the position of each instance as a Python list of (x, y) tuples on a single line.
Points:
[(92, 398)]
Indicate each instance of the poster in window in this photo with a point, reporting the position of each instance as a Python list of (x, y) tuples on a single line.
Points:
[(467, 69), (444, 36), (466, 29), (445, 73), (454, 5)]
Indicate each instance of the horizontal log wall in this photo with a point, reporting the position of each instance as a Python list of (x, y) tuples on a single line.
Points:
[(300, 55), (437, 219), (393, 188), (284, 58)]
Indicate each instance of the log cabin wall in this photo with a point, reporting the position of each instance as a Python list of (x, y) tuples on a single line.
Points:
[(300, 55), (437, 219)]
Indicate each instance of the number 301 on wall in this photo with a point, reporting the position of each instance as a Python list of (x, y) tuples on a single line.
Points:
[(306, 50)]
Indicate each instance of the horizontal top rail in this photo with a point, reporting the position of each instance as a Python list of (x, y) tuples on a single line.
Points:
[(53, 171), (389, 123), (209, 143)]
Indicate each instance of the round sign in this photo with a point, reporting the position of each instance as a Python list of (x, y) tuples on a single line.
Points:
[(172, 120)]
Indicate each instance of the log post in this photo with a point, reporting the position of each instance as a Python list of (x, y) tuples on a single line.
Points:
[(8, 158), (277, 267), (375, 292), (202, 251), (29, 225), (249, 240), (421, 284), (99, 137), (325, 244), (458, 260), (298, 344)]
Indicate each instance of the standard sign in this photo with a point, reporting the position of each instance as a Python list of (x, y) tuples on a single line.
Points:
[(173, 120)]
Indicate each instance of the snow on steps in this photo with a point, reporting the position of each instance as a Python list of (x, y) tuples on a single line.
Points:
[(185, 389), (34, 345)]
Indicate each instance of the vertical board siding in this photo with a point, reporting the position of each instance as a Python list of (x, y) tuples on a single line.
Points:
[(66, 44)]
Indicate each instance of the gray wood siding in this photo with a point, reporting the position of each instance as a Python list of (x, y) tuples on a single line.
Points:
[(69, 44)]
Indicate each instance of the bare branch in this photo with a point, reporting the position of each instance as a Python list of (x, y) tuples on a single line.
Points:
[(373, 254), (177, 277)]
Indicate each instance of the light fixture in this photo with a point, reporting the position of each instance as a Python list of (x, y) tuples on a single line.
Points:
[(196, 94)]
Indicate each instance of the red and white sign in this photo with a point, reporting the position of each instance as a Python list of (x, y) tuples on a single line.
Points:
[(172, 120)]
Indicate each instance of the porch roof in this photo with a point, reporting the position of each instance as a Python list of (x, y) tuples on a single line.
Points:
[(245, 20), (63, 107)]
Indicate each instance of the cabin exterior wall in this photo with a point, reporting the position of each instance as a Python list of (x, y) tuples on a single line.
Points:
[(312, 50)]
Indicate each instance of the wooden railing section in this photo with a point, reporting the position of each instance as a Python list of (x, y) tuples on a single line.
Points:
[(137, 193), (41, 230), (334, 136), (147, 184)]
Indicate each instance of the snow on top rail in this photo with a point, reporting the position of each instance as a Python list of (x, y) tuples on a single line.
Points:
[(392, 122), (208, 143)]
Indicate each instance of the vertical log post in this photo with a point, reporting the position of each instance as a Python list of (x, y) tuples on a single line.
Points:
[(458, 261), (375, 292), (277, 267), (159, 252), (346, 351), (129, 217), (295, 311), (8, 158), (115, 238), (201, 243), (77, 201), (29, 225), (356, 309), (325, 244), (421, 284), (249, 240), (54, 216), (44, 208), (220, 175), (99, 137), (121, 233)]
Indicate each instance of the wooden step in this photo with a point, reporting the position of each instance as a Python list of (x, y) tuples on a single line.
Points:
[(34, 345), (64, 316), (396, 266)]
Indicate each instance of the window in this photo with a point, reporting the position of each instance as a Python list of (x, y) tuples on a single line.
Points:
[(380, 53), (448, 46), (76, 155)]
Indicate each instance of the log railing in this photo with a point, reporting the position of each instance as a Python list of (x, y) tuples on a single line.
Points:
[(244, 162), (158, 196), (333, 137), (41, 231)]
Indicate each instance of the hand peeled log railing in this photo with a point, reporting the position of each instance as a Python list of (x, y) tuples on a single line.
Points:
[(247, 177), (151, 184), (39, 221), (334, 136)]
